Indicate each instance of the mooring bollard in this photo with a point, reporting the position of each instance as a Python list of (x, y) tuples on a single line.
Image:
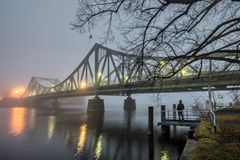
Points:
[(163, 113), (174, 111), (150, 120)]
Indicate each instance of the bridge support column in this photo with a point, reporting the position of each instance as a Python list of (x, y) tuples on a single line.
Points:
[(129, 104), (95, 105), (55, 103)]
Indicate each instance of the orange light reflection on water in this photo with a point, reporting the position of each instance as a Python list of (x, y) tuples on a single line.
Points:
[(17, 120)]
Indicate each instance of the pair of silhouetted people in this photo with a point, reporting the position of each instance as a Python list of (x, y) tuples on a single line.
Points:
[(180, 108)]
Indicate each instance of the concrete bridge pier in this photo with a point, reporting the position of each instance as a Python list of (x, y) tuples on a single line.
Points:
[(129, 104), (95, 105), (55, 103)]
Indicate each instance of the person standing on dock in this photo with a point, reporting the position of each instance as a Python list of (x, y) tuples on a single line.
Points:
[(180, 108)]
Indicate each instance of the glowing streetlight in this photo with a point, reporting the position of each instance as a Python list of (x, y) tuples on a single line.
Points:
[(83, 84), (126, 78), (99, 74), (162, 63), (17, 92), (183, 72)]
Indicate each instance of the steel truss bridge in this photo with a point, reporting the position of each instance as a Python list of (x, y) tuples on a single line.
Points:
[(105, 71)]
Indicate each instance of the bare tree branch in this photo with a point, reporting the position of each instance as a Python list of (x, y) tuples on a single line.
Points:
[(195, 30)]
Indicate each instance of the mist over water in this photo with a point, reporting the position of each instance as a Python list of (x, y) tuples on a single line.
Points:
[(70, 133)]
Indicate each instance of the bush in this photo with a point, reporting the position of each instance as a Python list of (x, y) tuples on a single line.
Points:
[(223, 145), (204, 130)]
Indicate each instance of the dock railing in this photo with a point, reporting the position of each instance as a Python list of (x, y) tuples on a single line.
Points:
[(209, 113), (189, 115), (172, 114)]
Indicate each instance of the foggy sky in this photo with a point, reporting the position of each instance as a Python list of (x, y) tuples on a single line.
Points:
[(36, 40)]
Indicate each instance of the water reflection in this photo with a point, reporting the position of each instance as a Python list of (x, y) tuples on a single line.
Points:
[(164, 155), (111, 135), (17, 120), (51, 126), (151, 147), (67, 137), (32, 119), (129, 116), (82, 138), (96, 121), (99, 148)]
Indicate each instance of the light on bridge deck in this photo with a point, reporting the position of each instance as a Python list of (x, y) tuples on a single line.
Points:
[(184, 72), (52, 90), (17, 92), (162, 63), (83, 85), (127, 79), (99, 74)]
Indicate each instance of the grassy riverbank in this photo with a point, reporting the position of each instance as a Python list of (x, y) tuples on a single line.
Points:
[(222, 145)]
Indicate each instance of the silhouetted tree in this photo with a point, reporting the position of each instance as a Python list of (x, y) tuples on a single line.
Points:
[(193, 30)]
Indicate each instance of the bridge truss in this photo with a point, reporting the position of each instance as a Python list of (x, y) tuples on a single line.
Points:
[(106, 71)]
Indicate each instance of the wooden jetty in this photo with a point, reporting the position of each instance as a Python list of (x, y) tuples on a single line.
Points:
[(191, 118)]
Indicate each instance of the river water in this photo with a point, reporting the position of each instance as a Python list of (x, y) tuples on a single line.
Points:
[(69, 133)]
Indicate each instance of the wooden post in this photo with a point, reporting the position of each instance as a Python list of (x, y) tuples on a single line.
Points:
[(150, 120), (174, 111), (163, 113), (151, 147)]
